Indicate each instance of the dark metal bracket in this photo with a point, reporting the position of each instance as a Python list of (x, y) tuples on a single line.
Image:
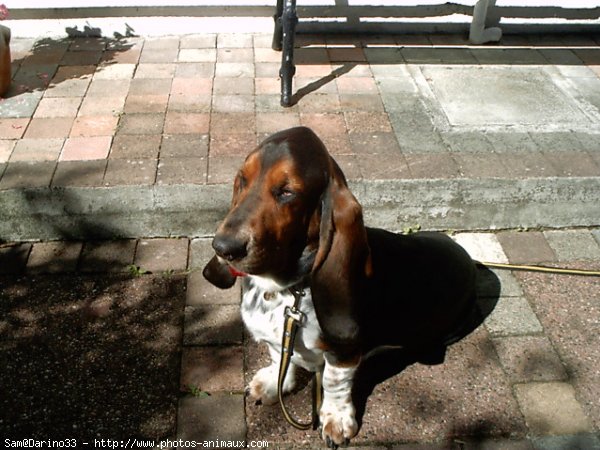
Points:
[(283, 40)]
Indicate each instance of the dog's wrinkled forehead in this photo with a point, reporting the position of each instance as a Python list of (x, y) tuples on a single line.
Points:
[(298, 150)]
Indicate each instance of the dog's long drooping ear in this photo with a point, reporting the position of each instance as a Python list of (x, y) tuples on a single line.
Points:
[(217, 272), (341, 266)]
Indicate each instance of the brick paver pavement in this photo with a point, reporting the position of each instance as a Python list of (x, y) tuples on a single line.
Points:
[(526, 378)]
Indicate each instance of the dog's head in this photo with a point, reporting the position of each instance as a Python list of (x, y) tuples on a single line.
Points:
[(291, 214)]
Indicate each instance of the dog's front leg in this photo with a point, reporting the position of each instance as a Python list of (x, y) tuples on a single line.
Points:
[(337, 413), (263, 386)]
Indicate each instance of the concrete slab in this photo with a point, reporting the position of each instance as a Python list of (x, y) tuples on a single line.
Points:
[(509, 286), (529, 358), (22, 105), (551, 408), (212, 369), (13, 258), (582, 441), (512, 316), (218, 418), (521, 96), (468, 142), (589, 88), (53, 257), (573, 245), (481, 246), (107, 256), (512, 142), (201, 292), (162, 255), (79, 173), (27, 174), (212, 325)]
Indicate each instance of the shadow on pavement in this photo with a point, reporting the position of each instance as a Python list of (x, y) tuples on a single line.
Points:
[(89, 348), (52, 62), (383, 365), (89, 355)]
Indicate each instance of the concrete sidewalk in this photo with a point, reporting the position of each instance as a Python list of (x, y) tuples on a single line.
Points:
[(131, 137), (124, 339)]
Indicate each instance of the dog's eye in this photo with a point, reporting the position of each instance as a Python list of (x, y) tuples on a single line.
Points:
[(284, 194), (241, 181)]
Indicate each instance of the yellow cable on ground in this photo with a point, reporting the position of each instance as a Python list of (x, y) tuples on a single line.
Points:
[(544, 269)]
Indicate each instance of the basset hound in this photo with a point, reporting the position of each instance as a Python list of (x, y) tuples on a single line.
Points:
[(294, 222)]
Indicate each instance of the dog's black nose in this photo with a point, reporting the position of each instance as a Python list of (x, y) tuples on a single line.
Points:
[(229, 247)]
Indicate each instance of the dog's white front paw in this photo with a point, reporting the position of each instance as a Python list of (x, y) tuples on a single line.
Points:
[(338, 422), (263, 386)]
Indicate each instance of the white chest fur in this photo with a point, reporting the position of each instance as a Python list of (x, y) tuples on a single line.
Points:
[(263, 307), (264, 317)]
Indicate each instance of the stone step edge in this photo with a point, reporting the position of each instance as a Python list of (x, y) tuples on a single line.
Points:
[(195, 210)]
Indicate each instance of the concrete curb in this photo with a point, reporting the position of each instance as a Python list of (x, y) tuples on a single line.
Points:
[(195, 210), (107, 213), (481, 204)]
